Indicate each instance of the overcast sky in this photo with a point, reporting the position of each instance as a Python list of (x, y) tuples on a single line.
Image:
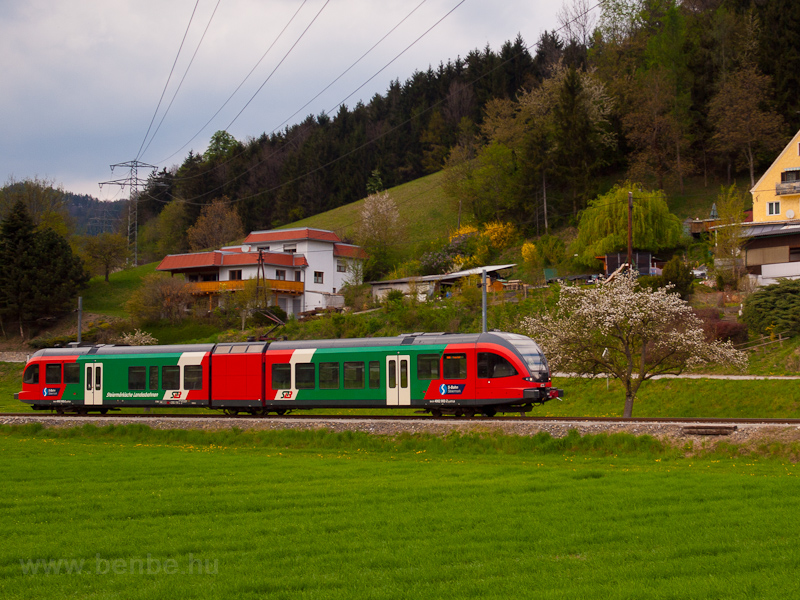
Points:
[(80, 80)]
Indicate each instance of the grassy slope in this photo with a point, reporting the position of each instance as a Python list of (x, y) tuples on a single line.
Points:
[(427, 212), (109, 298)]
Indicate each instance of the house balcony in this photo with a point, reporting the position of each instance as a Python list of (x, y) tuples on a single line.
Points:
[(787, 188), (276, 286)]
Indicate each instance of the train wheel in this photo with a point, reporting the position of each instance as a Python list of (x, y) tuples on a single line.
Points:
[(231, 412), (103, 411), (436, 412), (469, 413), (489, 412), (280, 412)]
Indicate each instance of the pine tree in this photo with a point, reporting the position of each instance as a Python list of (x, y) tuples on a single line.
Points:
[(40, 275)]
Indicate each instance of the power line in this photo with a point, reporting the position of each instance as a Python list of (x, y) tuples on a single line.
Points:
[(343, 73), (185, 33), (185, 73), (224, 104), (285, 56), (383, 134)]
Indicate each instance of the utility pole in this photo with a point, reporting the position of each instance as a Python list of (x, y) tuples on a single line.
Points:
[(133, 182), (630, 230)]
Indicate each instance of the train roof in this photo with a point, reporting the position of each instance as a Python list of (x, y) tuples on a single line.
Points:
[(508, 340), (108, 349)]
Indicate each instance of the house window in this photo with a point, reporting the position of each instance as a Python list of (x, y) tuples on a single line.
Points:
[(341, 266), (773, 208), (290, 248), (264, 248), (790, 176), (318, 276), (280, 274), (794, 254), (297, 276), (235, 275)]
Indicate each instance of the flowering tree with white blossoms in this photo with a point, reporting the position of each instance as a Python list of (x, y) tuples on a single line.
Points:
[(632, 334)]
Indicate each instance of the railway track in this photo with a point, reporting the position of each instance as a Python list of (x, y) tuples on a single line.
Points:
[(427, 418)]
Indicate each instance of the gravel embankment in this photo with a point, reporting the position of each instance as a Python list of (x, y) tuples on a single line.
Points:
[(745, 434)]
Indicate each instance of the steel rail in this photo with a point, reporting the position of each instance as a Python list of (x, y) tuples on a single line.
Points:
[(430, 418)]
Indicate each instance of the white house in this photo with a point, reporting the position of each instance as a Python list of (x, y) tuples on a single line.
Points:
[(304, 268)]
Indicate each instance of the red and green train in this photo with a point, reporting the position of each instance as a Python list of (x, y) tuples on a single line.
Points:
[(440, 373)]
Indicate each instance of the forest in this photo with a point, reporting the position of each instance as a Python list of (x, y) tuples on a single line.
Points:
[(654, 91)]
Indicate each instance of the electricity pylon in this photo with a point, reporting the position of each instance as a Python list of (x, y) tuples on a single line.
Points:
[(133, 182)]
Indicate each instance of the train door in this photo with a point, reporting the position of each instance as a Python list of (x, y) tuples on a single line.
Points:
[(398, 386), (94, 383)]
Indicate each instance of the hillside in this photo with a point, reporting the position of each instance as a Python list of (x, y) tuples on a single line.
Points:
[(427, 213)]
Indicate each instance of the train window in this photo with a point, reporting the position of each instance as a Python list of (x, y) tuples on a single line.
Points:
[(354, 375), (31, 374), (88, 378), (281, 376), (170, 378), (72, 373), (255, 348), (305, 376), (153, 383), (193, 377), (493, 365), (137, 378), (222, 350), (238, 349), (392, 374), (428, 366), (404, 373), (52, 373), (329, 376), (454, 366), (374, 374)]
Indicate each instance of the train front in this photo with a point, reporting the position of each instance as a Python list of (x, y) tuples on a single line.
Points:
[(541, 389)]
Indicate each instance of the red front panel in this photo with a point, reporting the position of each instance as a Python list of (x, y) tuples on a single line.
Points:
[(47, 385), (496, 381)]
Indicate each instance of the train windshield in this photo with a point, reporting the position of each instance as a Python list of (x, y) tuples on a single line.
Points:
[(532, 355)]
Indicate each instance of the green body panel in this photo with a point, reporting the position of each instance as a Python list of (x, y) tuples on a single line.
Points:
[(366, 396), (115, 376)]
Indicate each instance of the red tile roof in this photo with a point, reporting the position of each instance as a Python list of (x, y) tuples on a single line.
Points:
[(349, 251), (190, 261), (291, 235), (214, 260)]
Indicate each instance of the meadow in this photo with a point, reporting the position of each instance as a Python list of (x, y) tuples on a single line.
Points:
[(135, 513)]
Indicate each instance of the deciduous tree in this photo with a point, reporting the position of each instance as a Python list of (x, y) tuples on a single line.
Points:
[(379, 233), (104, 252), (632, 334), (218, 224), (742, 123), (729, 236), (603, 226)]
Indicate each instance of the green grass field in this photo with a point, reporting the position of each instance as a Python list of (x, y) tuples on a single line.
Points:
[(132, 513)]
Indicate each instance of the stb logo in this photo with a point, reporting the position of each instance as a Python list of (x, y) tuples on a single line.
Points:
[(286, 395), (449, 389), (176, 394)]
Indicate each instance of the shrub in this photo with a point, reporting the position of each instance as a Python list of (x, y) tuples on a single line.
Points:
[(777, 306)]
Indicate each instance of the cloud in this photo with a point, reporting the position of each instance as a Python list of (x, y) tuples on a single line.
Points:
[(82, 78)]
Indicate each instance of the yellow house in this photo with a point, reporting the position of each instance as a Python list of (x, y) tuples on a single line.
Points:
[(776, 196)]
